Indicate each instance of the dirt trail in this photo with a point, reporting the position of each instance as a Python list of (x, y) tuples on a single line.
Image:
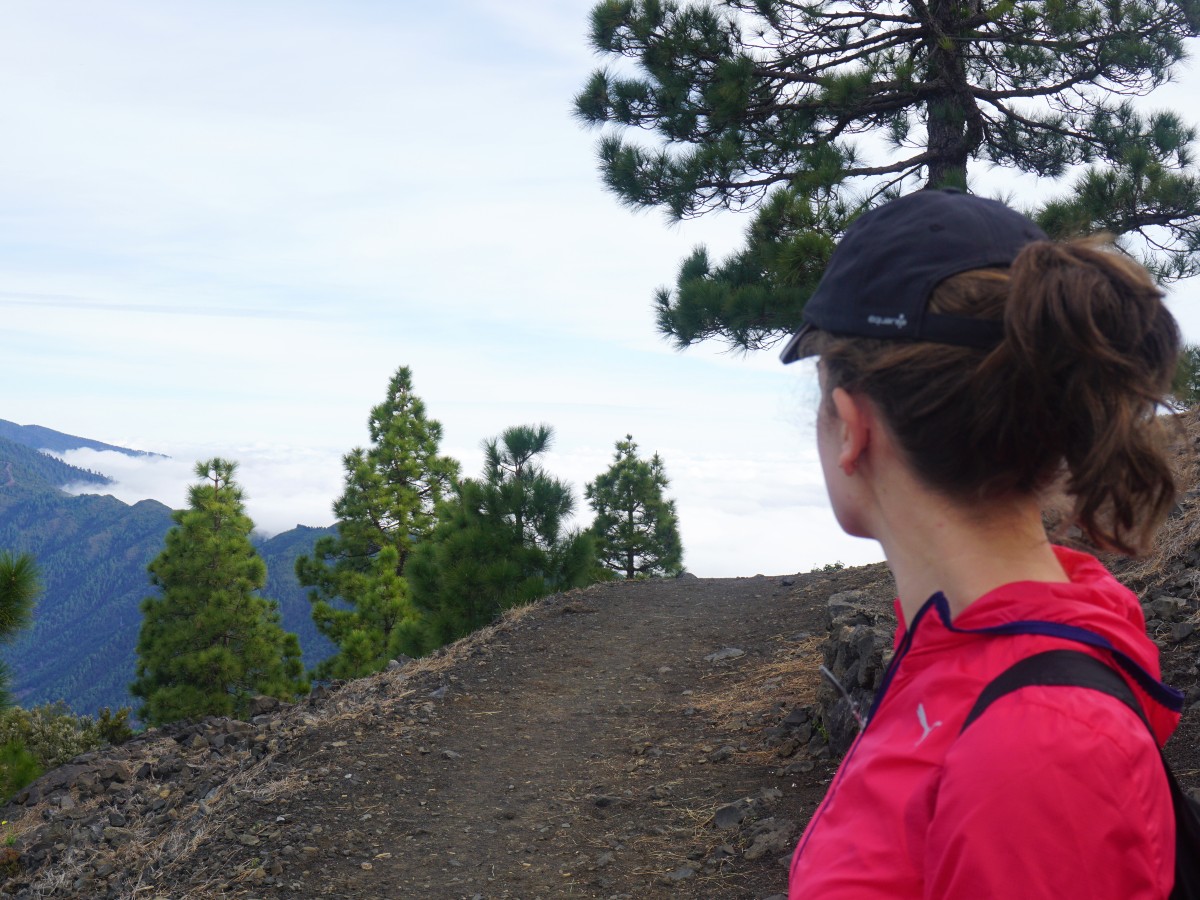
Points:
[(580, 753)]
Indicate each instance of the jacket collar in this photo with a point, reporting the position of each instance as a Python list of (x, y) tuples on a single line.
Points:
[(1092, 608)]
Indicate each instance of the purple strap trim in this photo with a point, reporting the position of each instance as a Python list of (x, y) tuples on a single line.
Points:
[(900, 653), (1162, 694)]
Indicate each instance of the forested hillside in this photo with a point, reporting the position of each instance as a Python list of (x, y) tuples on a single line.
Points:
[(38, 438), (92, 551), (23, 466), (279, 553)]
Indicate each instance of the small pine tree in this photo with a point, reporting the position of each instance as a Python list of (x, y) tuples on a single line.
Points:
[(209, 642), (501, 541), (360, 597), (18, 768), (19, 587), (1185, 387), (636, 528)]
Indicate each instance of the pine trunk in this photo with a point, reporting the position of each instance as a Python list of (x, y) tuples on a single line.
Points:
[(953, 120)]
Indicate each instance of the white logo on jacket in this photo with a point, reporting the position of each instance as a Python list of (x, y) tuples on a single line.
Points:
[(924, 724)]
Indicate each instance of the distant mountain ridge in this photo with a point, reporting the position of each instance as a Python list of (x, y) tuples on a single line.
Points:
[(92, 551), (25, 467), (37, 437)]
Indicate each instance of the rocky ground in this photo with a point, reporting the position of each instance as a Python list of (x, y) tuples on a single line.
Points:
[(653, 739)]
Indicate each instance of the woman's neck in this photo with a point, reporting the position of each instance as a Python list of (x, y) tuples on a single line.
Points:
[(932, 545)]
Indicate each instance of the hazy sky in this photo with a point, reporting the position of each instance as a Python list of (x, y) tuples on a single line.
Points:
[(224, 225)]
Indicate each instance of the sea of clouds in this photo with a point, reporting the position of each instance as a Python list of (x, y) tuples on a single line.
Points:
[(739, 515)]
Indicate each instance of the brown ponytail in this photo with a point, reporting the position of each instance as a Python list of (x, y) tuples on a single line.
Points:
[(1073, 390), (1091, 322)]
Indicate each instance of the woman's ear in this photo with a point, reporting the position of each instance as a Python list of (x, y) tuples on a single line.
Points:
[(855, 421)]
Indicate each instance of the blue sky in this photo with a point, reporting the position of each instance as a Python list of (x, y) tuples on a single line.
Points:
[(224, 225)]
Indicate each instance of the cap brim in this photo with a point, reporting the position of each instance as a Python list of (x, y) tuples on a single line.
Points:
[(796, 348)]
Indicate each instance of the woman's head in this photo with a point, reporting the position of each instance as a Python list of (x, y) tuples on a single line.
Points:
[(1048, 364)]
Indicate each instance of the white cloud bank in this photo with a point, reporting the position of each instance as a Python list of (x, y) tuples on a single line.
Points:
[(284, 487), (739, 516)]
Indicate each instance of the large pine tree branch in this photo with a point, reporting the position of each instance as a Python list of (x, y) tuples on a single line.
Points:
[(861, 19), (1041, 125), (1060, 87), (898, 39), (906, 165), (1149, 218), (726, 186), (849, 52), (1091, 41)]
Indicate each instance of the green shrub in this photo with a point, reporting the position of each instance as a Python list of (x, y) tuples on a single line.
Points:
[(113, 728), (18, 767), (55, 735)]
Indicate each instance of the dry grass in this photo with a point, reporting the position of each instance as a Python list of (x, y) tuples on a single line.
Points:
[(164, 851), (171, 850), (791, 674), (31, 818), (58, 881), (688, 828), (515, 614), (287, 786)]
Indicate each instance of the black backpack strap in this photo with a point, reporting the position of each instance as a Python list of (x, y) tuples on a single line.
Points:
[(1056, 667), (1073, 668)]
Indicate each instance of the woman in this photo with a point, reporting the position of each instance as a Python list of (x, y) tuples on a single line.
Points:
[(968, 364)]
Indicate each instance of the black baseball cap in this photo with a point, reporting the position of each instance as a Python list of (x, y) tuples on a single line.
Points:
[(891, 258)]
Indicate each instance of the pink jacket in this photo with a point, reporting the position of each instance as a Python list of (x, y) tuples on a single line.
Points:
[(1055, 792)]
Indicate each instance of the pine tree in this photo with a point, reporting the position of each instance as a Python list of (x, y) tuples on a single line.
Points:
[(502, 540), (810, 112), (636, 527), (19, 588), (1185, 387), (392, 489), (209, 642)]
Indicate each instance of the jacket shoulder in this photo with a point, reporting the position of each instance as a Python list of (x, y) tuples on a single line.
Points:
[(1050, 773)]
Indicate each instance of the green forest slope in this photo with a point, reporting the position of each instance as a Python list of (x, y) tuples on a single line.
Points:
[(92, 551), (38, 438)]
